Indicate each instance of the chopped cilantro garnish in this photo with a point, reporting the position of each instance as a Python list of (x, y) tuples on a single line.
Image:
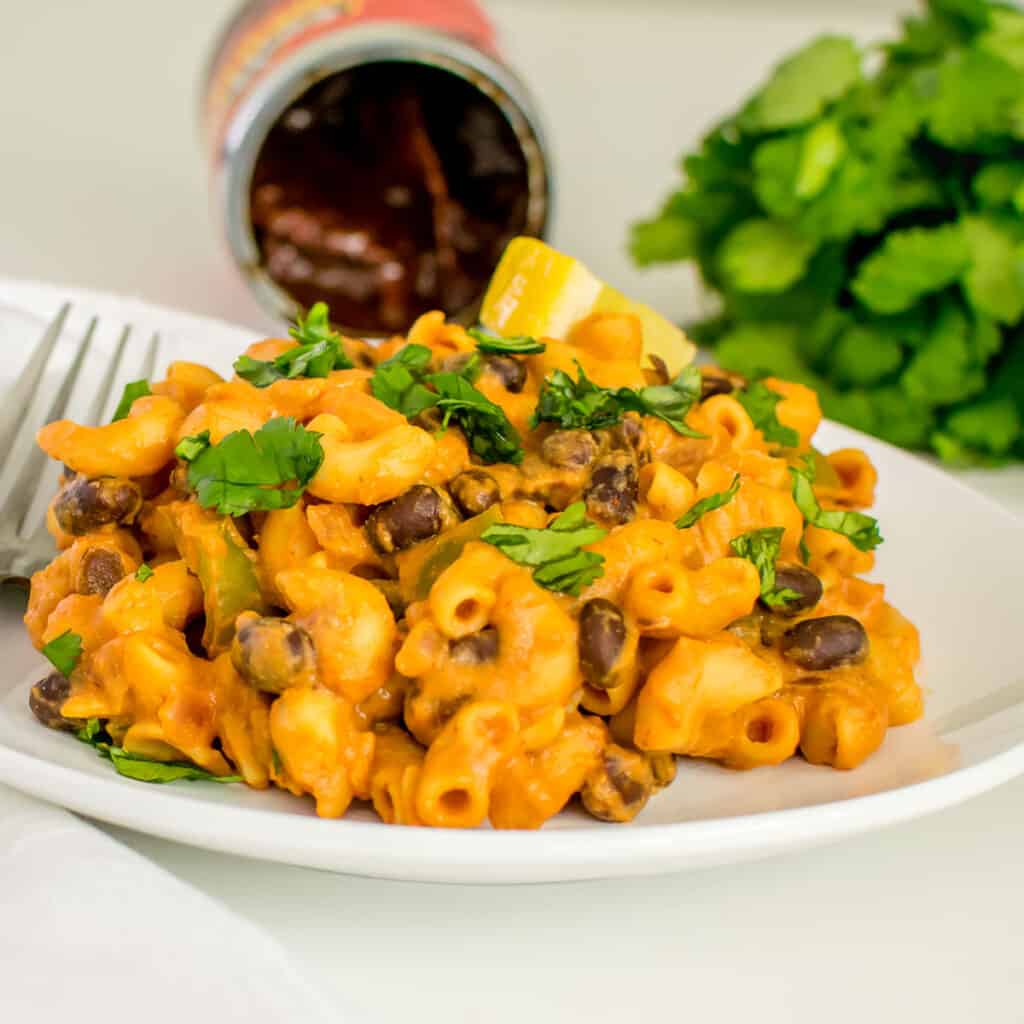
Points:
[(487, 428), (709, 504), (140, 768), (582, 405), (189, 448), (555, 553), (64, 651), (760, 401), (495, 345), (247, 472), (403, 383), (398, 381), (861, 530), (132, 390), (762, 548), (319, 351)]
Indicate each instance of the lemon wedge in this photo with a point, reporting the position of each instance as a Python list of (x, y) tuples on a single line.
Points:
[(541, 292)]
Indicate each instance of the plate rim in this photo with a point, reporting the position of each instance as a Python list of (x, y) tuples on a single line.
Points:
[(491, 856)]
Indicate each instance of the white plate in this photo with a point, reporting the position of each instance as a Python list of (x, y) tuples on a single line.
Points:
[(953, 561)]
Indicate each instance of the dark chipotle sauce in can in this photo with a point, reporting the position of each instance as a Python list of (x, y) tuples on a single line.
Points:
[(368, 161)]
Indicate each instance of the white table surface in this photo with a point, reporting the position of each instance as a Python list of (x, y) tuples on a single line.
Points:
[(103, 185)]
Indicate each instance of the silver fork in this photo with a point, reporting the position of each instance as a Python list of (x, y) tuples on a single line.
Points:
[(25, 543)]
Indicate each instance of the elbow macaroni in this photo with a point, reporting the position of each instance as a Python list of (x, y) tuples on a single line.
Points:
[(440, 682)]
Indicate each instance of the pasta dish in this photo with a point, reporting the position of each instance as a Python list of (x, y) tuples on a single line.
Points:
[(464, 577)]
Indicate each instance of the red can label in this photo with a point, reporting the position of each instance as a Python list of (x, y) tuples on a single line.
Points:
[(267, 32)]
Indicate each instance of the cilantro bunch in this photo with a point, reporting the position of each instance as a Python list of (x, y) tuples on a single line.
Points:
[(862, 218)]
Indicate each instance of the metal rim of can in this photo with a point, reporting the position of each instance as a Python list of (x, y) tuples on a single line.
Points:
[(362, 45)]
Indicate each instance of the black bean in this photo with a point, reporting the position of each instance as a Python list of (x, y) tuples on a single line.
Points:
[(602, 637), (417, 515), (272, 654), (46, 699), (475, 649), (474, 491), (719, 382), (803, 583), (84, 505), (829, 642), (629, 436), (98, 571), (620, 786), (612, 493), (570, 449), (511, 372)]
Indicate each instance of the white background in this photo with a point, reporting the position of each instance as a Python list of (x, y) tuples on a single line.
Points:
[(102, 183)]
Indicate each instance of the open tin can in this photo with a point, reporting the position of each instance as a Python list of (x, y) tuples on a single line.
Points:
[(374, 154)]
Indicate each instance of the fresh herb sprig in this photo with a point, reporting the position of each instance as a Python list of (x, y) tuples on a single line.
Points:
[(247, 472), (132, 390), (762, 548), (320, 350), (493, 344), (555, 553), (861, 530), (861, 217), (709, 504), (140, 768), (64, 651), (405, 384), (760, 401), (398, 381), (583, 405)]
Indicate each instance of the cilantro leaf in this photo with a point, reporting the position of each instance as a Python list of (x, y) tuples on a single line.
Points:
[(320, 350), (246, 472), (669, 402), (90, 732), (402, 382), (488, 431), (940, 370), (709, 504), (189, 448), (571, 574), (64, 651), (132, 390), (398, 381), (760, 401), (315, 327), (803, 85), (762, 548), (143, 573), (664, 239), (910, 264), (975, 92), (860, 529), (493, 343), (763, 255), (994, 284), (582, 405), (317, 359), (140, 768), (575, 404), (554, 553)]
